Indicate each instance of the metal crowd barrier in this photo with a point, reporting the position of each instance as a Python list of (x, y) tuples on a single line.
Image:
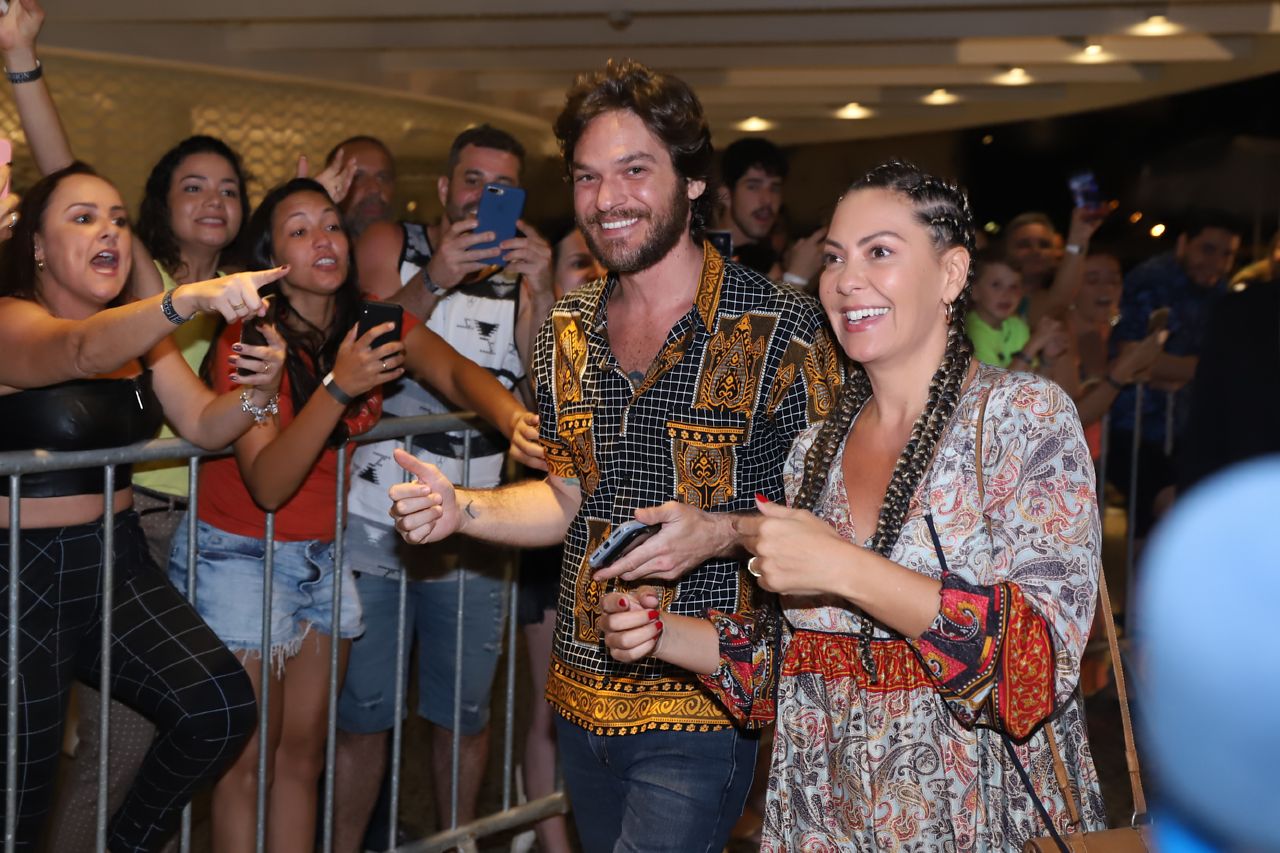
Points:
[(15, 464)]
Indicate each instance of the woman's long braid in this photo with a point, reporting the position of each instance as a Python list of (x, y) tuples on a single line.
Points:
[(944, 210)]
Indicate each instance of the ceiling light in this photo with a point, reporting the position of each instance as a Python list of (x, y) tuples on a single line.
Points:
[(1156, 25), (988, 139), (940, 97), (1135, 217), (853, 110), (1157, 230), (1015, 76), (1094, 49), (755, 124)]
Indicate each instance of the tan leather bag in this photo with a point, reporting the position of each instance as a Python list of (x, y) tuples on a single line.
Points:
[(1131, 839)]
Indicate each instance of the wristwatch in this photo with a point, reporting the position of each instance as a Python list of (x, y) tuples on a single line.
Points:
[(332, 387), (432, 288)]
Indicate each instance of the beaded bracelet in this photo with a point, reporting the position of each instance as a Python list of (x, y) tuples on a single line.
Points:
[(260, 413)]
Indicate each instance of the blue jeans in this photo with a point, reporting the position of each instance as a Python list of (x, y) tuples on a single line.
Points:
[(656, 792)]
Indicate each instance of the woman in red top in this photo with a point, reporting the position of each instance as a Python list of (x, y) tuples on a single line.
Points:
[(332, 390)]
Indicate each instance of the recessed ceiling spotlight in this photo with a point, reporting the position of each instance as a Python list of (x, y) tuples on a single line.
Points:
[(1015, 76), (853, 110), (755, 124), (940, 97), (1093, 49), (1156, 25)]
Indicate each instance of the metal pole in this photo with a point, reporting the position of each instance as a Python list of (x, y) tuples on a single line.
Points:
[(1131, 533), (104, 680), (1170, 403), (335, 640), (11, 712), (397, 727), (193, 487), (456, 764), (264, 705), (511, 583)]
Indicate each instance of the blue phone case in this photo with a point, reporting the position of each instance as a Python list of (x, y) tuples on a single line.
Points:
[(500, 207)]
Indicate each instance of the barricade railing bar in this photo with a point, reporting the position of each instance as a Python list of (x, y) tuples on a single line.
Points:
[(15, 464)]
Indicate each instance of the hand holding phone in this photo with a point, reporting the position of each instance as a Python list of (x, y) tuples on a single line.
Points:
[(250, 334), (375, 314), (500, 206), (1084, 190), (623, 539), (1158, 320)]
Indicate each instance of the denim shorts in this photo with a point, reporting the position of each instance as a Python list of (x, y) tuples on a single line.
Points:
[(229, 585), (366, 704)]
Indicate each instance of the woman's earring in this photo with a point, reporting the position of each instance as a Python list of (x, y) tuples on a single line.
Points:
[(40, 264), (950, 312)]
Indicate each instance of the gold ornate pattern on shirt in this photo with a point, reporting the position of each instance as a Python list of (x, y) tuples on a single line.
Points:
[(666, 360), (707, 299), (575, 430), (559, 459), (570, 358), (620, 706), (704, 463), (820, 367), (587, 595), (823, 373), (731, 368)]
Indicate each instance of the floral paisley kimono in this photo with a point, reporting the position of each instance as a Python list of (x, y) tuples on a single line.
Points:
[(916, 761)]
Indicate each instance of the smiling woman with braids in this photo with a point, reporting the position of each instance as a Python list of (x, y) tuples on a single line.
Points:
[(927, 606)]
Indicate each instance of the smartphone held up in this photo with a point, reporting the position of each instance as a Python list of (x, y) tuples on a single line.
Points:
[(500, 207), (375, 314)]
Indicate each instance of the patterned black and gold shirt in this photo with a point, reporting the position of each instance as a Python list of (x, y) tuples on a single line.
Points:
[(738, 378)]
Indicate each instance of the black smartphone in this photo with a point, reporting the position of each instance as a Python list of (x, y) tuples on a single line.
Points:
[(623, 538), (375, 314), (500, 207), (723, 242), (252, 335)]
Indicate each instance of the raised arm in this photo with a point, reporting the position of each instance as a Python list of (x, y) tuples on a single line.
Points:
[(40, 121), (42, 349), (275, 461), (467, 385), (1066, 283)]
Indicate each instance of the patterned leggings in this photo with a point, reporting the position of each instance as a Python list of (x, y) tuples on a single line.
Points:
[(165, 663)]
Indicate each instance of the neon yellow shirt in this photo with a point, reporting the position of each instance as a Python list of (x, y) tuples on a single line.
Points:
[(996, 346)]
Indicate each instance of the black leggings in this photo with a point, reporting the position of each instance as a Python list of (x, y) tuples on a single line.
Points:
[(165, 663)]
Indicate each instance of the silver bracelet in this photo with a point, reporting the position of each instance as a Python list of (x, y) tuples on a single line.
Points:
[(260, 414)]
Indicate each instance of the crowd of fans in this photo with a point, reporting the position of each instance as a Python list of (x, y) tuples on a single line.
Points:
[(874, 521)]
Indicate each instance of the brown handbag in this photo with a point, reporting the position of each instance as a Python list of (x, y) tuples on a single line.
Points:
[(1130, 839)]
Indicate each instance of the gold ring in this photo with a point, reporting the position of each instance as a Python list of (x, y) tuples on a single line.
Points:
[(751, 567)]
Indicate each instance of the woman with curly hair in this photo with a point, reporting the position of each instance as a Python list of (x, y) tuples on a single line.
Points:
[(933, 578)]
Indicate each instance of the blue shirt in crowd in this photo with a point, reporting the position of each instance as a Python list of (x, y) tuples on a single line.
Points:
[(1157, 283)]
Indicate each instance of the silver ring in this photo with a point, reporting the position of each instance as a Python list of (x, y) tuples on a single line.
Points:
[(13, 219), (384, 365), (751, 567)]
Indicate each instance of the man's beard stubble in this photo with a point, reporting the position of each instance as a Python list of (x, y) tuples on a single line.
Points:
[(665, 230)]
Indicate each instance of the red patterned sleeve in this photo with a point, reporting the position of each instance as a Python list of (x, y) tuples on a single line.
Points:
[(991, 656), (746, 682)]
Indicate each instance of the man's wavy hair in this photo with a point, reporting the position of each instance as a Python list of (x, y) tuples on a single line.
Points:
[(668, 108)]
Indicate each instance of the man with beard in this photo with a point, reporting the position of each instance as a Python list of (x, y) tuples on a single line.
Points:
[(373, 184), (668, 392), (476, 308)]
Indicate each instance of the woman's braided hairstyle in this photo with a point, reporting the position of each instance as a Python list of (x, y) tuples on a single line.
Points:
[(943, 209)]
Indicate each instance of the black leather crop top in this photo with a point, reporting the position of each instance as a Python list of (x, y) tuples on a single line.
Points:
[(83, 414)]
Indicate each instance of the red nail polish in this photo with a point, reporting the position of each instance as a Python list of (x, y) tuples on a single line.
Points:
[(653, 614), (624, 604), (237, 347), (761, 497), (658, 625)]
